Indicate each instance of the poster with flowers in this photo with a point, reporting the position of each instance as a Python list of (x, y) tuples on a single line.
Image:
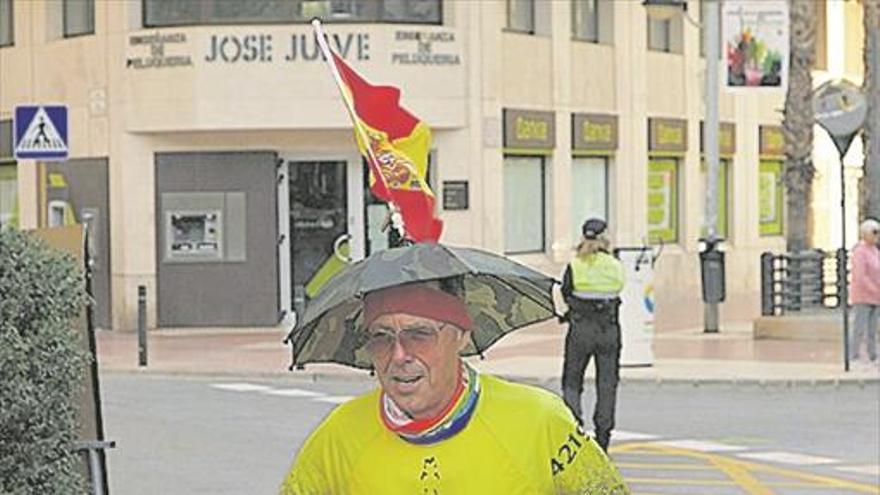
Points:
[(755, 35)]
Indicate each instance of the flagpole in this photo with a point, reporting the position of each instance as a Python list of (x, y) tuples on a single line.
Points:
[(337, 77)]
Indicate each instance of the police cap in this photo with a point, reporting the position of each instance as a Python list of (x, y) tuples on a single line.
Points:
[(593, 228)]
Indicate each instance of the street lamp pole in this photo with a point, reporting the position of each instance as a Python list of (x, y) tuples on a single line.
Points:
[(711, 257), (710, 34)]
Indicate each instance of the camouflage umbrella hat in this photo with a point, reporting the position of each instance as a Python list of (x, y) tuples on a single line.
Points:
[(501, 296)]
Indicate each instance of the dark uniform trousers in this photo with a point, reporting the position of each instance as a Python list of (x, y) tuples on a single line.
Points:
[(593, 331)]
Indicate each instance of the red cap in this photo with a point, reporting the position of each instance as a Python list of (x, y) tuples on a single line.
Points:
[(417, 300)]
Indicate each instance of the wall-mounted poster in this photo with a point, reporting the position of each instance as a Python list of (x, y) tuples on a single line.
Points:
[(756, 43), (662, 200), (770, 198)]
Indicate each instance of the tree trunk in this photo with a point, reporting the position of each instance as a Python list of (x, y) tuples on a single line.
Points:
[(798, 125), (869, 197)]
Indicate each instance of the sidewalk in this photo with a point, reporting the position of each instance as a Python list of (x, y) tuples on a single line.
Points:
[(533, 354)]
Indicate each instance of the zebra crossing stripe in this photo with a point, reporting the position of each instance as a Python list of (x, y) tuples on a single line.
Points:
[(332, 399), (869, 469), (283, 392), (240, 387), (787, 458), (292, 392), (631, 436), (700, 445)]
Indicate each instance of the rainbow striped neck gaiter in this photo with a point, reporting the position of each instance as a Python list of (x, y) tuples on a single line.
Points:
[(446, 424)]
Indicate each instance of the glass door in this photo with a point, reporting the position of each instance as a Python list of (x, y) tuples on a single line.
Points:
[(318, 205)]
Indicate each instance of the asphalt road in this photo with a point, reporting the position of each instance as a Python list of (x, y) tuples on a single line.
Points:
[(197, 435)]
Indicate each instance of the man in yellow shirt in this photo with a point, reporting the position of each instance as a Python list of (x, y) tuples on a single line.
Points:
[(438, 427)]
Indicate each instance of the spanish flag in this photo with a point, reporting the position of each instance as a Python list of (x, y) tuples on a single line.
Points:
[(396, 145)]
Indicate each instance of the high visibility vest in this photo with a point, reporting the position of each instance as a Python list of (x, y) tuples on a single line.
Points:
[(599, 274)]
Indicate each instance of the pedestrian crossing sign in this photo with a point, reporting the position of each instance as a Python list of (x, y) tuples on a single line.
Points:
[(41, 132)]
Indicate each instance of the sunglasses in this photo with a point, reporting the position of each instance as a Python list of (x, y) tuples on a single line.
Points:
[(414, 340)]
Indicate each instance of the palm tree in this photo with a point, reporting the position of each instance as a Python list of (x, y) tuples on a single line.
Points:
[(798, 125), (869, 197)]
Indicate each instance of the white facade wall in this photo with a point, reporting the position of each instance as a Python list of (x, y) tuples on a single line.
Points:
[(292, 107), (842, 38)]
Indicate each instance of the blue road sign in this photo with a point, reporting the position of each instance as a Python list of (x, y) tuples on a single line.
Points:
[(41, 132)]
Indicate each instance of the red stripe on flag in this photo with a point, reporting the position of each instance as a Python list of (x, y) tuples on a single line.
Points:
[(378, 106), (417, 209)]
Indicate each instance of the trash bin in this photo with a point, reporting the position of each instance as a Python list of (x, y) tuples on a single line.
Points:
[(712, 270)]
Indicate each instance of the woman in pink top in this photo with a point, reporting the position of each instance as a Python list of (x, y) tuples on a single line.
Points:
[(865, 289)]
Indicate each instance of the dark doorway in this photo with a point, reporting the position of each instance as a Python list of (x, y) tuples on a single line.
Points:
[(318, 218)]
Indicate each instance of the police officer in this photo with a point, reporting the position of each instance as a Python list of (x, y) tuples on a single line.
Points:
[(591, 286)]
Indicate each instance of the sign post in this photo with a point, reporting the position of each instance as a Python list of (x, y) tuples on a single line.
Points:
[(840, 108)]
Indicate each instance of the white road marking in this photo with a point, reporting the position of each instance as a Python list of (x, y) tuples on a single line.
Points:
[(869, 469), (700, 445), (335, 399), (631, 436), (240, 387), (292, 392), (787, 458), (283, 392)]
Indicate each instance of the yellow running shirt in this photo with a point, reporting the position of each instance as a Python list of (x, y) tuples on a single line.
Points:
[(521, 440)]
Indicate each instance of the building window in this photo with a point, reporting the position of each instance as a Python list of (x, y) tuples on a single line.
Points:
[(159, 13), (8, 178), (770, 197), (660, 35), (589, 191), (6, 141), (523, 204), (585, 20), (7, 24), (79, 17), (521, 15), (722, 223), (8, 195), (419, 11), (663, 200)]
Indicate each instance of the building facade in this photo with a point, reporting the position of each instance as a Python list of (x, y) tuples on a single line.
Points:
[(840, 31), (214, 163)]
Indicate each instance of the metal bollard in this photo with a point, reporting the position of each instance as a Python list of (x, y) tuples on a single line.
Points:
[(793, 276), (95, 452), (142, 325), (767, 308)]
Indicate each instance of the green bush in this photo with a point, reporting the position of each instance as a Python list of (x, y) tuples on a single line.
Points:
[(41, 367)]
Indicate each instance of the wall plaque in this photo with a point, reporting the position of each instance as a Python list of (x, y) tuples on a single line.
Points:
[(455, 195)]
